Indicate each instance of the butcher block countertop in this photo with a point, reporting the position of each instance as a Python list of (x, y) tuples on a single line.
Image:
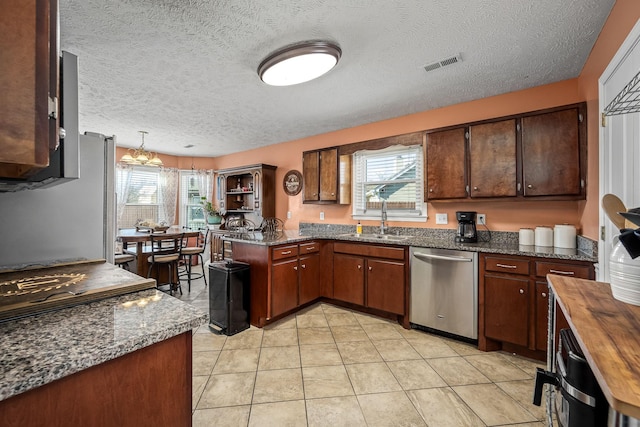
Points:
[(608, 332)]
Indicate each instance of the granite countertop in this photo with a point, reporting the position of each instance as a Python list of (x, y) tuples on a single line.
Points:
[(498, 242), (39, 349)]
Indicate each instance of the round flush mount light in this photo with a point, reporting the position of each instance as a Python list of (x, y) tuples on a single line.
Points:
[(299, 63)]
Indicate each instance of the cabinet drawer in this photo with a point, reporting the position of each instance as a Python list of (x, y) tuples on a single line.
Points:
[(579, 271), (309, 248), (369, 250), (282, 252), (507, 265)]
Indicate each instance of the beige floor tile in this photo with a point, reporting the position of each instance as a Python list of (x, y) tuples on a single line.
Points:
[(541, 424), (341, 319), (320, 355), (245, 360), (232, 416), (372, 378), (208, 341), (228, 390), (396, 350), (203, 362), (526, 364), (522, 391), (326, 381), (441, 407), (431, 347), (330, 308), (335, 412), (381, 331), (197, 387), (288, 322), (358, 352), (463, 348), (496, 367), (312, 309), (279, 358), (457, 371), (311, 321), (315, 336), (278, 385), (245, 339), (366, 319), (493, 405), (389, 409), (279, 337), (349, 333), (286, 414), (415, 374)]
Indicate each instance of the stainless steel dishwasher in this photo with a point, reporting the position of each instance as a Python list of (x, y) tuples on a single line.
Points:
[(444, 291)]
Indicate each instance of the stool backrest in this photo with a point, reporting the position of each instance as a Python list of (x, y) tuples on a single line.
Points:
[(161, 244)]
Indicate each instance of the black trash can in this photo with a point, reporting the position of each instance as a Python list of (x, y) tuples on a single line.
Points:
[(229, 297)]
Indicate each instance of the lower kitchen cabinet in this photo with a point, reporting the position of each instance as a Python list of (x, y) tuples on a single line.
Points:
[(284, 286), (309, 273), (371, 276), (513, 301)]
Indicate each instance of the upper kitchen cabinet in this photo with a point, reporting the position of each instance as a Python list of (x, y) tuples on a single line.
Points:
[(326, 177), (248, 191), (29, 79), (551, 153), (492, 159), (446, 160)]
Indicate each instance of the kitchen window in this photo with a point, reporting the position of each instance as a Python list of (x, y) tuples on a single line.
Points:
[(142, 195), (394, 174)]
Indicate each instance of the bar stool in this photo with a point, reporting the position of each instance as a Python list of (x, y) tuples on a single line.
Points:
[(123, 260), (189, 252), (166, 252)]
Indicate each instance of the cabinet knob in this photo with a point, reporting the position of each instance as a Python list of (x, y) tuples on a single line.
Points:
[(544, 295), (359, 267), (522, 291), (529, 186), (370, 268), (431, 190), (333, 194), (303, 266), (475, 188), (295, 267)]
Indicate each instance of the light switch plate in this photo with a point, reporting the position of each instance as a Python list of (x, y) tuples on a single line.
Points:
[(321, 216), (441, 218), (482, 219), (288, 214)]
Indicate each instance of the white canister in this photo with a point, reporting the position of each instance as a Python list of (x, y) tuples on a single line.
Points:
[(564, 236), (544, 236), (526, 237)]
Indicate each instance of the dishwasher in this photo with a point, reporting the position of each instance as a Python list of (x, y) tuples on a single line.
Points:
[(444, 291)]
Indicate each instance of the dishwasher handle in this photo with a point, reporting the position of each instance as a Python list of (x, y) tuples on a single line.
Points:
[(426, 257)]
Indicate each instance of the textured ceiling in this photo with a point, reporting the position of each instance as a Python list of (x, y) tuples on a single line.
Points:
[(185, 70)]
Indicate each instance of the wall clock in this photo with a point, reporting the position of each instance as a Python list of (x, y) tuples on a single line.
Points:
[(292, 182)]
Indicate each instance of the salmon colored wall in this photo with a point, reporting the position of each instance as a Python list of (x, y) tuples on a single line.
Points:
[(623, 17)]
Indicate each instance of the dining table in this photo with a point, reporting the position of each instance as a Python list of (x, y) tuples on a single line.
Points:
[(142, 237)]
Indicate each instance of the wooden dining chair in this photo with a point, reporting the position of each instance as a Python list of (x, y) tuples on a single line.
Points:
[(166, 253), (188, 252)]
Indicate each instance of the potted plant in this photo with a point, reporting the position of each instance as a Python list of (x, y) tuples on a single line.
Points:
[(211, 212)]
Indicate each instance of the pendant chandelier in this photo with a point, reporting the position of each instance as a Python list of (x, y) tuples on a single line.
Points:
[(140, 156)]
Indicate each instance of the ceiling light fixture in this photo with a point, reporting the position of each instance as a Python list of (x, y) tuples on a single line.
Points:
[(140, 156), (299, 63)]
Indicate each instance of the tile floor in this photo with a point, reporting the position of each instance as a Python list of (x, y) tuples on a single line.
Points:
[(328, 366)]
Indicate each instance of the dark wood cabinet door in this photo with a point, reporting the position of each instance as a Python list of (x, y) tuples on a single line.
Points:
[(493, 159), (310, 176), (329, 175), (551, 154), (542, 315), (284, 286), (385, 285), (348, 278), (446, 157), (506, 313), (309, 268)]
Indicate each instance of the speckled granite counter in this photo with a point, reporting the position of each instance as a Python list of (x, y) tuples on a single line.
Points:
[(499, 242), (39, 349)]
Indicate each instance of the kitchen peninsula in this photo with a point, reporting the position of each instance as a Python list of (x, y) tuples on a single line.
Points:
[(124, 360)]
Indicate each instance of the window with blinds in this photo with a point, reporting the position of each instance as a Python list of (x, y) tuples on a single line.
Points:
[(191, 213), (394, 174), (142, 199)]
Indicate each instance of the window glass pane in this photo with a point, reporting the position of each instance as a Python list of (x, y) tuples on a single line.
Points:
[(143, 189), (191, 213)]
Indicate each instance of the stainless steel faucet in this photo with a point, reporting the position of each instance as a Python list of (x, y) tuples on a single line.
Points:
[(383, 218)]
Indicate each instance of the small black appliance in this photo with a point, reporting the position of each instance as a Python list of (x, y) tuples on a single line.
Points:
[(467, 232), (229, 296)]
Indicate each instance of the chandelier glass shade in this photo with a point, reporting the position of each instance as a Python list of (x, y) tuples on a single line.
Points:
[(140, 156), (299, 63)]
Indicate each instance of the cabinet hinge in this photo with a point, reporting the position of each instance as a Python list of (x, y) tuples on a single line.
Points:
[(602, 234), (518, 127), (580, 118), (53, 108), (466, 135), (582, 183), (604, 120), (466, 188)]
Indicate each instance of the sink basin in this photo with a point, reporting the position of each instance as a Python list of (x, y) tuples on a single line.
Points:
[(383, 237)]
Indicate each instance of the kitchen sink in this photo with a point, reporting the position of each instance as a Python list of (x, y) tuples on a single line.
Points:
[(372, 236)]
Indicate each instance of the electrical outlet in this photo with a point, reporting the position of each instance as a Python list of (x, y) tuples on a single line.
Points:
[(482, 219), (288, 214), (321, 216), (442, 218)]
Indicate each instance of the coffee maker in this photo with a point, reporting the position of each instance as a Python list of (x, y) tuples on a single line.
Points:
[(467, 232)]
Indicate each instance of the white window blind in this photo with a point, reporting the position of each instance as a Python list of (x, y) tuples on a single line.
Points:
[(142, 199), (394, 174), (191, 213)]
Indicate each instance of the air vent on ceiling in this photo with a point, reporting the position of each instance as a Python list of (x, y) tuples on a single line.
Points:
[(443, 63)]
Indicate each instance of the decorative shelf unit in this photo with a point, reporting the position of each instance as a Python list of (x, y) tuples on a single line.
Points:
[(248, 191)]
